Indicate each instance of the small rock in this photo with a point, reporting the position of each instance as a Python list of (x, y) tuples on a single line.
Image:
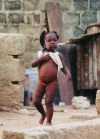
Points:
[(24, 111), (32, 113), (61, 104), (80, 102)]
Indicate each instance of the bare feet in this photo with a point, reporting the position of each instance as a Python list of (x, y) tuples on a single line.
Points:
[(42, 119), (49, 124)]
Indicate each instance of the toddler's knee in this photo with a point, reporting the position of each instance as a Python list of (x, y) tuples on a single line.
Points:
[(48, 102)]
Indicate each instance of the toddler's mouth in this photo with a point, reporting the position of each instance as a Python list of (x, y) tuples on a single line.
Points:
[(53, 46)]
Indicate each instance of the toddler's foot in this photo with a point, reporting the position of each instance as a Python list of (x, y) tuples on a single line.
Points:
[(42, 119), (49, 124)]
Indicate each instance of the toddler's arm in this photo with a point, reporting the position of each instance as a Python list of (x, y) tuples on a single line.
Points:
[(65, 70), (39, 60)]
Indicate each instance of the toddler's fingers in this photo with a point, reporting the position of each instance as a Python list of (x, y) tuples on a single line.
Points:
[(69, 77)]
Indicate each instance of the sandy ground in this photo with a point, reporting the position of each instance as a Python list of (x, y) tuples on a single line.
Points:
[(10, 120)]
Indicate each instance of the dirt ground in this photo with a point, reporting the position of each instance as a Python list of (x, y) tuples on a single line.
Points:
[(12, 120)]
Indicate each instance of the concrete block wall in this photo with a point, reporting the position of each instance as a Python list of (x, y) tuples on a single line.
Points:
[(12, 49), (28, 17), (23, 16)]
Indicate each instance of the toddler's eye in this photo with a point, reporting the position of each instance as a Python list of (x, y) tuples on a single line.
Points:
[(49, 40), (55, 40)]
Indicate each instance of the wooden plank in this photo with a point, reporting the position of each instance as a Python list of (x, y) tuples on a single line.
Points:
[(78, 66), (82, 67), (82, 38), (90, 65), (54, 19), (55, 24), (86, 66), (98, 60), (94, 64), (68, 83), (66, 86)]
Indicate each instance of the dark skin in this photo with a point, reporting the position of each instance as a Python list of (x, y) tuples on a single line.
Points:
[(47, 83)]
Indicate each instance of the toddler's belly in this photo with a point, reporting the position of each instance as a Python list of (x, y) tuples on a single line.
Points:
[(48, 72)]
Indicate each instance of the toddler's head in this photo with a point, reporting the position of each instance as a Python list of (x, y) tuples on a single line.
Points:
[(48, 40)]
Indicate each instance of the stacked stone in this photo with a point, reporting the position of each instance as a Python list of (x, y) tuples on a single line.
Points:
[(12, 48), (23, 16)]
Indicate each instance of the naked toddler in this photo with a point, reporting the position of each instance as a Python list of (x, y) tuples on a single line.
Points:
[(49, 63)]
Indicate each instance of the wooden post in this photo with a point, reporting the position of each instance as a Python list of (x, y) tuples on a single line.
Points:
[(54, 19), (98, 60), (78, 66), (90, 65), (82, 67), (86, 66), (94, 64)]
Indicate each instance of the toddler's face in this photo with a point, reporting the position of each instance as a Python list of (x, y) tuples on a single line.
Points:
[(50, 41)]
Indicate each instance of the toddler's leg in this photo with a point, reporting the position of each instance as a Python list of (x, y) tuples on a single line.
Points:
[(37, 98), (50, 94)]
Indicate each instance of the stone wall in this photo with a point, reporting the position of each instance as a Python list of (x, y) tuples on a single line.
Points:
[(12, 48), (28, 17)]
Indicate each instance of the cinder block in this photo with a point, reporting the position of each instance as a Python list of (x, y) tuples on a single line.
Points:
[(37, 30), (11, 95), (26, 29), (31, 44), (12, 44), (30, 5), (89, 17), (81, 5), (95, 5), (16, 18), (12, 5), (37, 18), (41, 5), (29, 57), (2, 18), (31, 30), (11, 69), (73, 19)]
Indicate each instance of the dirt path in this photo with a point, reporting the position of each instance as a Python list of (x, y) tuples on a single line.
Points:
[(10, 120)]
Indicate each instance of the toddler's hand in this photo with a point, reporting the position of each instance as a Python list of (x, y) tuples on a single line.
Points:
[(69, 76), (46, 57)]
